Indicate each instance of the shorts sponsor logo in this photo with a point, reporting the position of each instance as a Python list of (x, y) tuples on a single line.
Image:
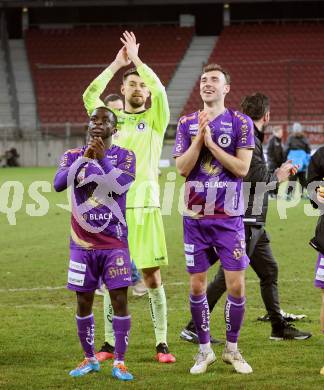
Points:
[(238, 253), (159, 258), (114, 272), (190, 261), (319, 277), (77, 266), (320, 271), (120, 261), (224, 140), (190, 248), (76, 279)]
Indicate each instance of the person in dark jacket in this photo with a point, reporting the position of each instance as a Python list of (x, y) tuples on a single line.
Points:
[(257, 240), (276, 154), (316, 193), (298, 150)]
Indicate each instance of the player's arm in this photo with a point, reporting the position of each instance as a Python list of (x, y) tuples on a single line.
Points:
[(186, 152), (259, 172), (67, 166), (91, 96), (239, 164), (61, 176), (315, 173), (160, 106)]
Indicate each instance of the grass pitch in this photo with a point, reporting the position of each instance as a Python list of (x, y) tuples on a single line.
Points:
[(38, 339)]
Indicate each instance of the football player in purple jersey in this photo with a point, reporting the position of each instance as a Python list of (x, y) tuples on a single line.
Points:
[(213, 151)]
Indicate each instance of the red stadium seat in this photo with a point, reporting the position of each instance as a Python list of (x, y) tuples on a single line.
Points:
[(286, 62), (79, 57)]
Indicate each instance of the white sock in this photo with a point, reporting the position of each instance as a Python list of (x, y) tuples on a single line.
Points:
[(118, 362), (93, 359), (205, 347), (231, 346)]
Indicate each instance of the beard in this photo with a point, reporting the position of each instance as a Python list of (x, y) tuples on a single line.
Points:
[(136, 102)]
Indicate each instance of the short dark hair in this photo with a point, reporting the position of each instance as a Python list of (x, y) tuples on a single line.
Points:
[(113, 97), (112, 115), (129, 72), (211, 67), (255, 105)]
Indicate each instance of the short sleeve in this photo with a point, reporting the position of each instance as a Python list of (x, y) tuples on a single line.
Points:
[(183, 139), (128, 163), (244, 131)]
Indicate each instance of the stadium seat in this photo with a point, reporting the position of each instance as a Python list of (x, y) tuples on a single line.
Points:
[(286, 62), (65, 61)]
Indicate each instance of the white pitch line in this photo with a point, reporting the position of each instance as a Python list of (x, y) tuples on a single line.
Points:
[(49, 288), (32, 289)]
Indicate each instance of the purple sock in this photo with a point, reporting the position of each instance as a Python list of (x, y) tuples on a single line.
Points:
[(121, 327), (86, 331), (200, 316), (234, 314)]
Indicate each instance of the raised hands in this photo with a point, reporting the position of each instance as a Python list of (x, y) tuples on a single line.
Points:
[(122, 58), (129, 41)]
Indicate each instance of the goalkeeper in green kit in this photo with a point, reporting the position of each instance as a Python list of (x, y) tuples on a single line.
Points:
[(140, 130)]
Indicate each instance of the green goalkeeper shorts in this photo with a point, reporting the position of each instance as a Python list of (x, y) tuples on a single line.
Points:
[(146, 237)]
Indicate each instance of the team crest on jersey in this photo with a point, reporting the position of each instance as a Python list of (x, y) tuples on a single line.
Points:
[(224, 140), (120, 261), (141, 126)]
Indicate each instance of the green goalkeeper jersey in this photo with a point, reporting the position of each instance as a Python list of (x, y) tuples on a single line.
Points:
[(142, 133)]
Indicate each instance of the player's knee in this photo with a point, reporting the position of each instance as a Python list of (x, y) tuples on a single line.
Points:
[(84, 305), (119, 302), (197, 286), (236, 288), (152, 277)]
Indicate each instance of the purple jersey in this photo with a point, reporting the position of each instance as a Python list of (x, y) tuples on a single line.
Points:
[(211, 190), (98, 196)]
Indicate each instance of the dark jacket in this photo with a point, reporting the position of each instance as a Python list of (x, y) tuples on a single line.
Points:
[(258, 172), (297, 142), (276, 155), (316, 173)]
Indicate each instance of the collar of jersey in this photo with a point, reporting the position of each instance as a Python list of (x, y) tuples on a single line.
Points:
[(134, 113)]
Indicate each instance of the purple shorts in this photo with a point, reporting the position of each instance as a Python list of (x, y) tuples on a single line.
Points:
[(207, 240), (319, 272), (88, 268)]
